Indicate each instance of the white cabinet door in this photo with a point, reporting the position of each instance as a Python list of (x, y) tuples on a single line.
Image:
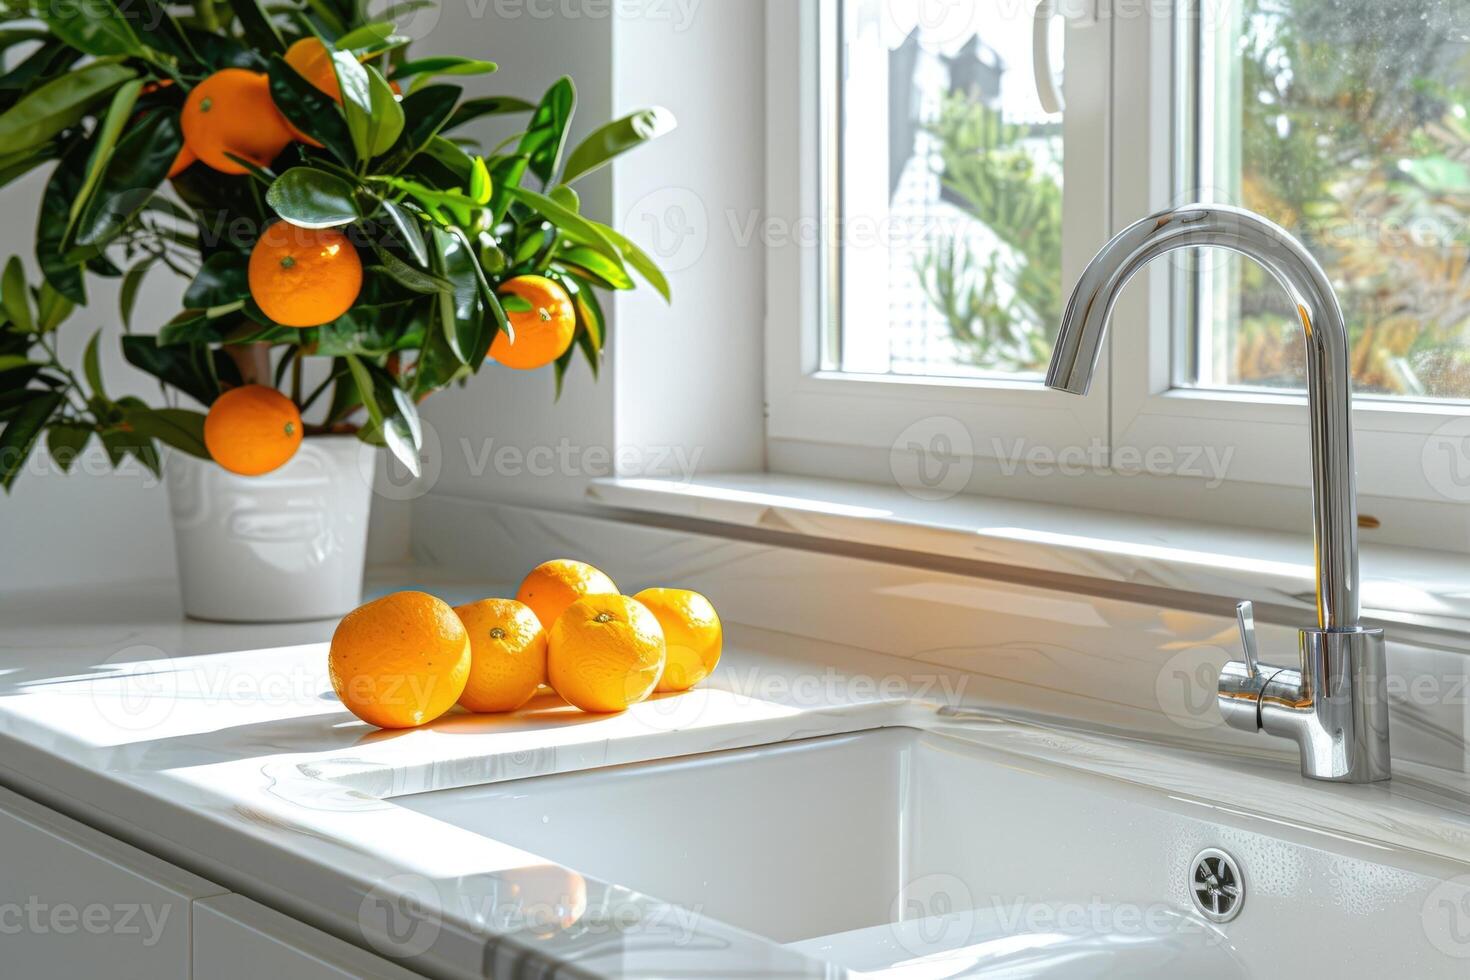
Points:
[(237, 939), (76, 903)]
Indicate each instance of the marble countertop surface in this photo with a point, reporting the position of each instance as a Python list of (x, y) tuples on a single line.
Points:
[(222, 748), (1404, 586)]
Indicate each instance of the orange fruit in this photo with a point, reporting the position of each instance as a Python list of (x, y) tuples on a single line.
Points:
[(231, 112), (507, 654), (692, 635), (184, 159), (543, 333), (400, 661), (313, 62), (554, 585), (605, 653), (304, 277), (252, 430)]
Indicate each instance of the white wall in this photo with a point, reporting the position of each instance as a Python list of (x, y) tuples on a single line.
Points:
[(682, 383)]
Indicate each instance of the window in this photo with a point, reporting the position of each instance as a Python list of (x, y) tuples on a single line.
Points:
[(949, 193), (1345, 122), (956, 207)]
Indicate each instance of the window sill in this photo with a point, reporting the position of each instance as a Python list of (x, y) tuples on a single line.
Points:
[(1422, 588)]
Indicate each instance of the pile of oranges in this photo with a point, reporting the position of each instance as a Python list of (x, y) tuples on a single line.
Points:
[(407, 658)]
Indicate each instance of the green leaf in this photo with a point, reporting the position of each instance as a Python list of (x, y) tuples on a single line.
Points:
[(391, 410), (15, 295), (65, 441), (495, 105), (190, 327), (13, 166), (546, 136), (505, 174), (313, 198), (374, 116), (566, 197), (366, 36), (406, 230), (513, 303), (58, 104), (92, 366), (50, 59), (480, 183), (95, 27), (357, 101), (21, 433), (408, 277), (639, 260), (459, 314), (617, 138), (121, 443), (596, 265), (456, 166), (136, 169), (311, 110), (52, 308), (460, 208), (426, 68), (117, 117), (187, 368), (387, 114), (591, 324), (222, 280), (571, 223), (65, 183), (425, 112), (258, 28), (127, 296), (177, 427)]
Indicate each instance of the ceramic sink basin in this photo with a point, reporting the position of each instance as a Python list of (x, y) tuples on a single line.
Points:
[(898, 852)]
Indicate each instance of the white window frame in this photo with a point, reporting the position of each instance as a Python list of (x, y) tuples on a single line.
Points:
[(1119, 146), (808, 404)]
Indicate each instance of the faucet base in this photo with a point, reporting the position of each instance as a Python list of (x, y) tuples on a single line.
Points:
[(1336, 707)]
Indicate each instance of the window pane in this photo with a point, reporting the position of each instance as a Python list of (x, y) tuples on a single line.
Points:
[(1345, 122), (949, 193)]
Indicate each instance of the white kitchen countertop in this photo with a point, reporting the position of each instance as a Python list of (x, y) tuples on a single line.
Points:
[(221, 748)]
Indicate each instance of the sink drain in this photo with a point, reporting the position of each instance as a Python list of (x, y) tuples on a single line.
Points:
[(1216, 885)]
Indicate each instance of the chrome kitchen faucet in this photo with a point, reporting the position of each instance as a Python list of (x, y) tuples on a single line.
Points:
[(1333, 704)]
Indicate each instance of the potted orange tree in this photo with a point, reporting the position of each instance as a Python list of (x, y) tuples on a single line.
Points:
[(348, 252)]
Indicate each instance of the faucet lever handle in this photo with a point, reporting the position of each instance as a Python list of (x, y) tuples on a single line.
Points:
[(1245, 617)]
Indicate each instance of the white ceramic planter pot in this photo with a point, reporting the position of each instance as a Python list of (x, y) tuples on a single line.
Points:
[(286, 546)]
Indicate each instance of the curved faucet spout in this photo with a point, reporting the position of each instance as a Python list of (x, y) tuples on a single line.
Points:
[(1329, 381)]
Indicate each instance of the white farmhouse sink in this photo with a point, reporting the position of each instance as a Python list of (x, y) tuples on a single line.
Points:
[(896, 852)]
